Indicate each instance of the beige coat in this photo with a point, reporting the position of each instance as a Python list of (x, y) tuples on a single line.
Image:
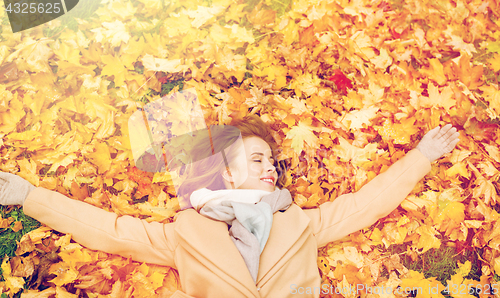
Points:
[(201, 249)]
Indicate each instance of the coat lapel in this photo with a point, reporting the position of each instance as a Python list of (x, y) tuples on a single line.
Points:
[(286, 231), (209, 242)]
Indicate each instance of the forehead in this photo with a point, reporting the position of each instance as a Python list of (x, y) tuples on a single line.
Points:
[(256, 145)]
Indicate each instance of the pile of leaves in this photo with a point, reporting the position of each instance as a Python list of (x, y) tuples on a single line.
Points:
[(348, 88)]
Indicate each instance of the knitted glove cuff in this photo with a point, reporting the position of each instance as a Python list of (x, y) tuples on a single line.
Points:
[(13, 189), (431, 154)]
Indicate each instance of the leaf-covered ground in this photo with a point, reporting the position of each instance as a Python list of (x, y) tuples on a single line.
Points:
[(347, 87)]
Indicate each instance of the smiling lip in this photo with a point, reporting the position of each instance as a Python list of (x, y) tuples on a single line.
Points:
[(268, 181)]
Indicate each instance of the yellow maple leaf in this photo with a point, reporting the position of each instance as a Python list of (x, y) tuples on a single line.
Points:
[(353, 100), (306, 83), (457, 285), (373, 95), (492, 95), (24, 136), (37, 235), (33, 55), (458, 44), (101, 157), (257, 53), (62, 293), (303, 132), (383, 60), (289, 29), (68, 53), (75, 254), (355, 119), (425, 287), (114, 67), (156, 279), (450, 211), (485, 187), (65, 273), (156, 64), (458, 169), (132, 50), (496, 265), (203, 14), (13, 283), (142, 286), (493, 151), (358, 156), (488, 169), (10, 117), (220, 34), (28, 171), (241, 35), (123, 9), (495, 62), (157, 213), (362, 44), (435, 71), (401, 132), (443, 98), (427, 238), (230, 64), (114, 32), (49, 292)]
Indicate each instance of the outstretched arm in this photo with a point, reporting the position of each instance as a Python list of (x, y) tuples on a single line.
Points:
[(354, 211), (91, 226)]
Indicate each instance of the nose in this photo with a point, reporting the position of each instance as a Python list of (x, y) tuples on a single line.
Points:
[(270, 167)]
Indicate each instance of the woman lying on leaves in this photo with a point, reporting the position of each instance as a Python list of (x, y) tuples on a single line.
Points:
[(252, 241)]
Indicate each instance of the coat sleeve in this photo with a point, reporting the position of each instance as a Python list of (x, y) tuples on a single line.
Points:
[(354, 211), (101, 230)]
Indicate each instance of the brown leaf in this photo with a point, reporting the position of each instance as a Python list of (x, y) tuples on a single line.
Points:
[(94, 282), (393, 262), (472, 211), (261, 18), (79, 192), (9, 72), (23, 267), (25, 246)]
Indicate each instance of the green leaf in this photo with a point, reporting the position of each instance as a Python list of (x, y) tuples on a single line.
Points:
[(494, 47)]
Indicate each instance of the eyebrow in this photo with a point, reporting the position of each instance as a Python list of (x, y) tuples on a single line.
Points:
[(261, 154)]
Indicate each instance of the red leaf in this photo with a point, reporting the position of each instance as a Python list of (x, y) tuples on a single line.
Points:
[(341, 80), (144, 179), (163, 80)]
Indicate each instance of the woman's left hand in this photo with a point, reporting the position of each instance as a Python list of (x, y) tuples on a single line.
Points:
[(438, 141), (13, 189)]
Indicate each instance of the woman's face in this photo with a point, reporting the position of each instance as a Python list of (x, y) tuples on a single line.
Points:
[(253, 168)]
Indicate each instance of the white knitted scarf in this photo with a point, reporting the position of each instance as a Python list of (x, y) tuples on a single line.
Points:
[(249, 218)]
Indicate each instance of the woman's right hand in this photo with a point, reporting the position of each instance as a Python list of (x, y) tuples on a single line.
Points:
[(13, 189), (438, 141)]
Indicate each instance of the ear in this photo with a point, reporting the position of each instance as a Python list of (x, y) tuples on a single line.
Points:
[(226, 175)]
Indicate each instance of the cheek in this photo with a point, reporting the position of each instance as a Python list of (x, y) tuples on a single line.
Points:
[(254, 170)]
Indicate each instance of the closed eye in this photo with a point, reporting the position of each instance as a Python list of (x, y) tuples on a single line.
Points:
[(271, 161)]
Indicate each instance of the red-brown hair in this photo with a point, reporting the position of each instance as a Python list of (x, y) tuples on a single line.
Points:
[(207, 172)]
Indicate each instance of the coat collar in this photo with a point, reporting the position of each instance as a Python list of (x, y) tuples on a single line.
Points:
[(209, 241), (286, 233)]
